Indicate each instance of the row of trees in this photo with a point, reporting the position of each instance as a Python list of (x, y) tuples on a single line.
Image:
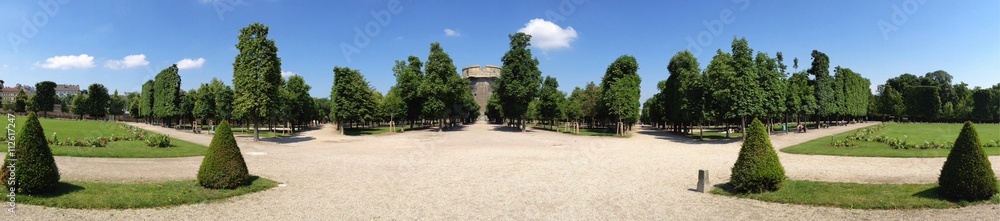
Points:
[(94, 102), (742, 85), (933, 97), (522, 94), (435, 92)]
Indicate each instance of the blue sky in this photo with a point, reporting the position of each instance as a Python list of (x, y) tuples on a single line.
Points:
[(128, 42)]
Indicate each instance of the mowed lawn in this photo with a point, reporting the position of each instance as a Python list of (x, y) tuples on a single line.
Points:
[(916, 133), (75, 129)]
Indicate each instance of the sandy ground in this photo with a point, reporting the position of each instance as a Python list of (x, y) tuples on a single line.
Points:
[(486, 172)]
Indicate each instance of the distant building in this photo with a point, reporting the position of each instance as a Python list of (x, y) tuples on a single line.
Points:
[(63, 90), (9, 93), (481, 81)]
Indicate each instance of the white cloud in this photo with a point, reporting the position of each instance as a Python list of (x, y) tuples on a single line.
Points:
[(131, 61), (451, 33), (187, 63), (68, 62), (547, 35), (288, 73)]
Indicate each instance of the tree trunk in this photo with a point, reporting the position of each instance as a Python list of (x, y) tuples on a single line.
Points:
[(256, 132)]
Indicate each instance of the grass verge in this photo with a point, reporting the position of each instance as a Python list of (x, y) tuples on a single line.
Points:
[(855, 195), (75, 129), (914, 133), (92, 195)]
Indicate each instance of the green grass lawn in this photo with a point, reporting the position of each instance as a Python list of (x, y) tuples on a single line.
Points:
[(600, 132), (915, 133), (379, 130), (91, 195), (119, 149), (854, 195)]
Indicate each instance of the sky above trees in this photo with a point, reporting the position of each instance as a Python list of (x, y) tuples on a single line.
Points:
[(121, 44)]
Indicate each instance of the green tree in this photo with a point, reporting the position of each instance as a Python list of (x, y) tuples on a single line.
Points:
[(967, 174), (223, 101), (494, 110), (349, 95), (167, 96), (300, 105), (772, 85), (204, 105), (409, 77), (441, 86), (146, 101), (620, 92), (80, 104), (757, 169), (97, 101), (520, 79), (20, 101), (802, 101), (223, 166), (45, 97), (116, 106), (392, 106), (35, 170), (826, 103), (922, 102), (256, 75), (722, 82), (549, 98), (890, 101), (680, 88), (748, 96), (986, 104)]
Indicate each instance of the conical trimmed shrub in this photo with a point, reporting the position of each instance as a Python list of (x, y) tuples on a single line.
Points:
[(967, 174), (223, 166), (35, 170), (757, 169)]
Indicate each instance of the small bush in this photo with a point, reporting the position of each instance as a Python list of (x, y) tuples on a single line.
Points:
[(757, 169), (223, 166), (157, 140), (35, 169), (967, 174)]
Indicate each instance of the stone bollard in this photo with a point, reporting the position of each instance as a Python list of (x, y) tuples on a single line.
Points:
[(702, 181)]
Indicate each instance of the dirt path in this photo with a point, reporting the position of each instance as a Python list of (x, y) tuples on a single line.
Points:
[(483, 171)]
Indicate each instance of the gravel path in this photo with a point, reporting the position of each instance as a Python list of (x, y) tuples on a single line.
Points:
[(485, 172)]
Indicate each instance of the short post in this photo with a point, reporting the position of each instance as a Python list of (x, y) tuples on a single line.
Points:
[(702, 181)]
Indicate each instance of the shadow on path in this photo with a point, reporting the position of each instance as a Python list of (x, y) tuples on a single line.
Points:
[(680, 138)]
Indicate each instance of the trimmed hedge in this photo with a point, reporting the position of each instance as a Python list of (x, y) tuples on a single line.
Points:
[(757, 169), (223, 166), (967, 174), (35, 170)]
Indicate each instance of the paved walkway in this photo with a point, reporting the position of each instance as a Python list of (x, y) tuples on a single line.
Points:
[(483, 171)]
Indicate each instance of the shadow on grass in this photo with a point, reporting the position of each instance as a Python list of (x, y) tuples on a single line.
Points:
[(681, 138), (288, 140), (60, 189)]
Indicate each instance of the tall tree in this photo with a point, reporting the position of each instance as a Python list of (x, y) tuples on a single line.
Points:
[(802, 101), (520, 79), (223, 101), (146, 101), (722, 78), (300, 104), (20, 101), (620, 92), (826, 101), (80, 104), (116, 106), (922, 102), (349, 96), (680, 87), (97, 101), (440, 86), (772, 85), (890, 101), (549, 98), (408, 80), (749, 97), (45, 97), (204, 105), (256, 75), (167, 101)]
